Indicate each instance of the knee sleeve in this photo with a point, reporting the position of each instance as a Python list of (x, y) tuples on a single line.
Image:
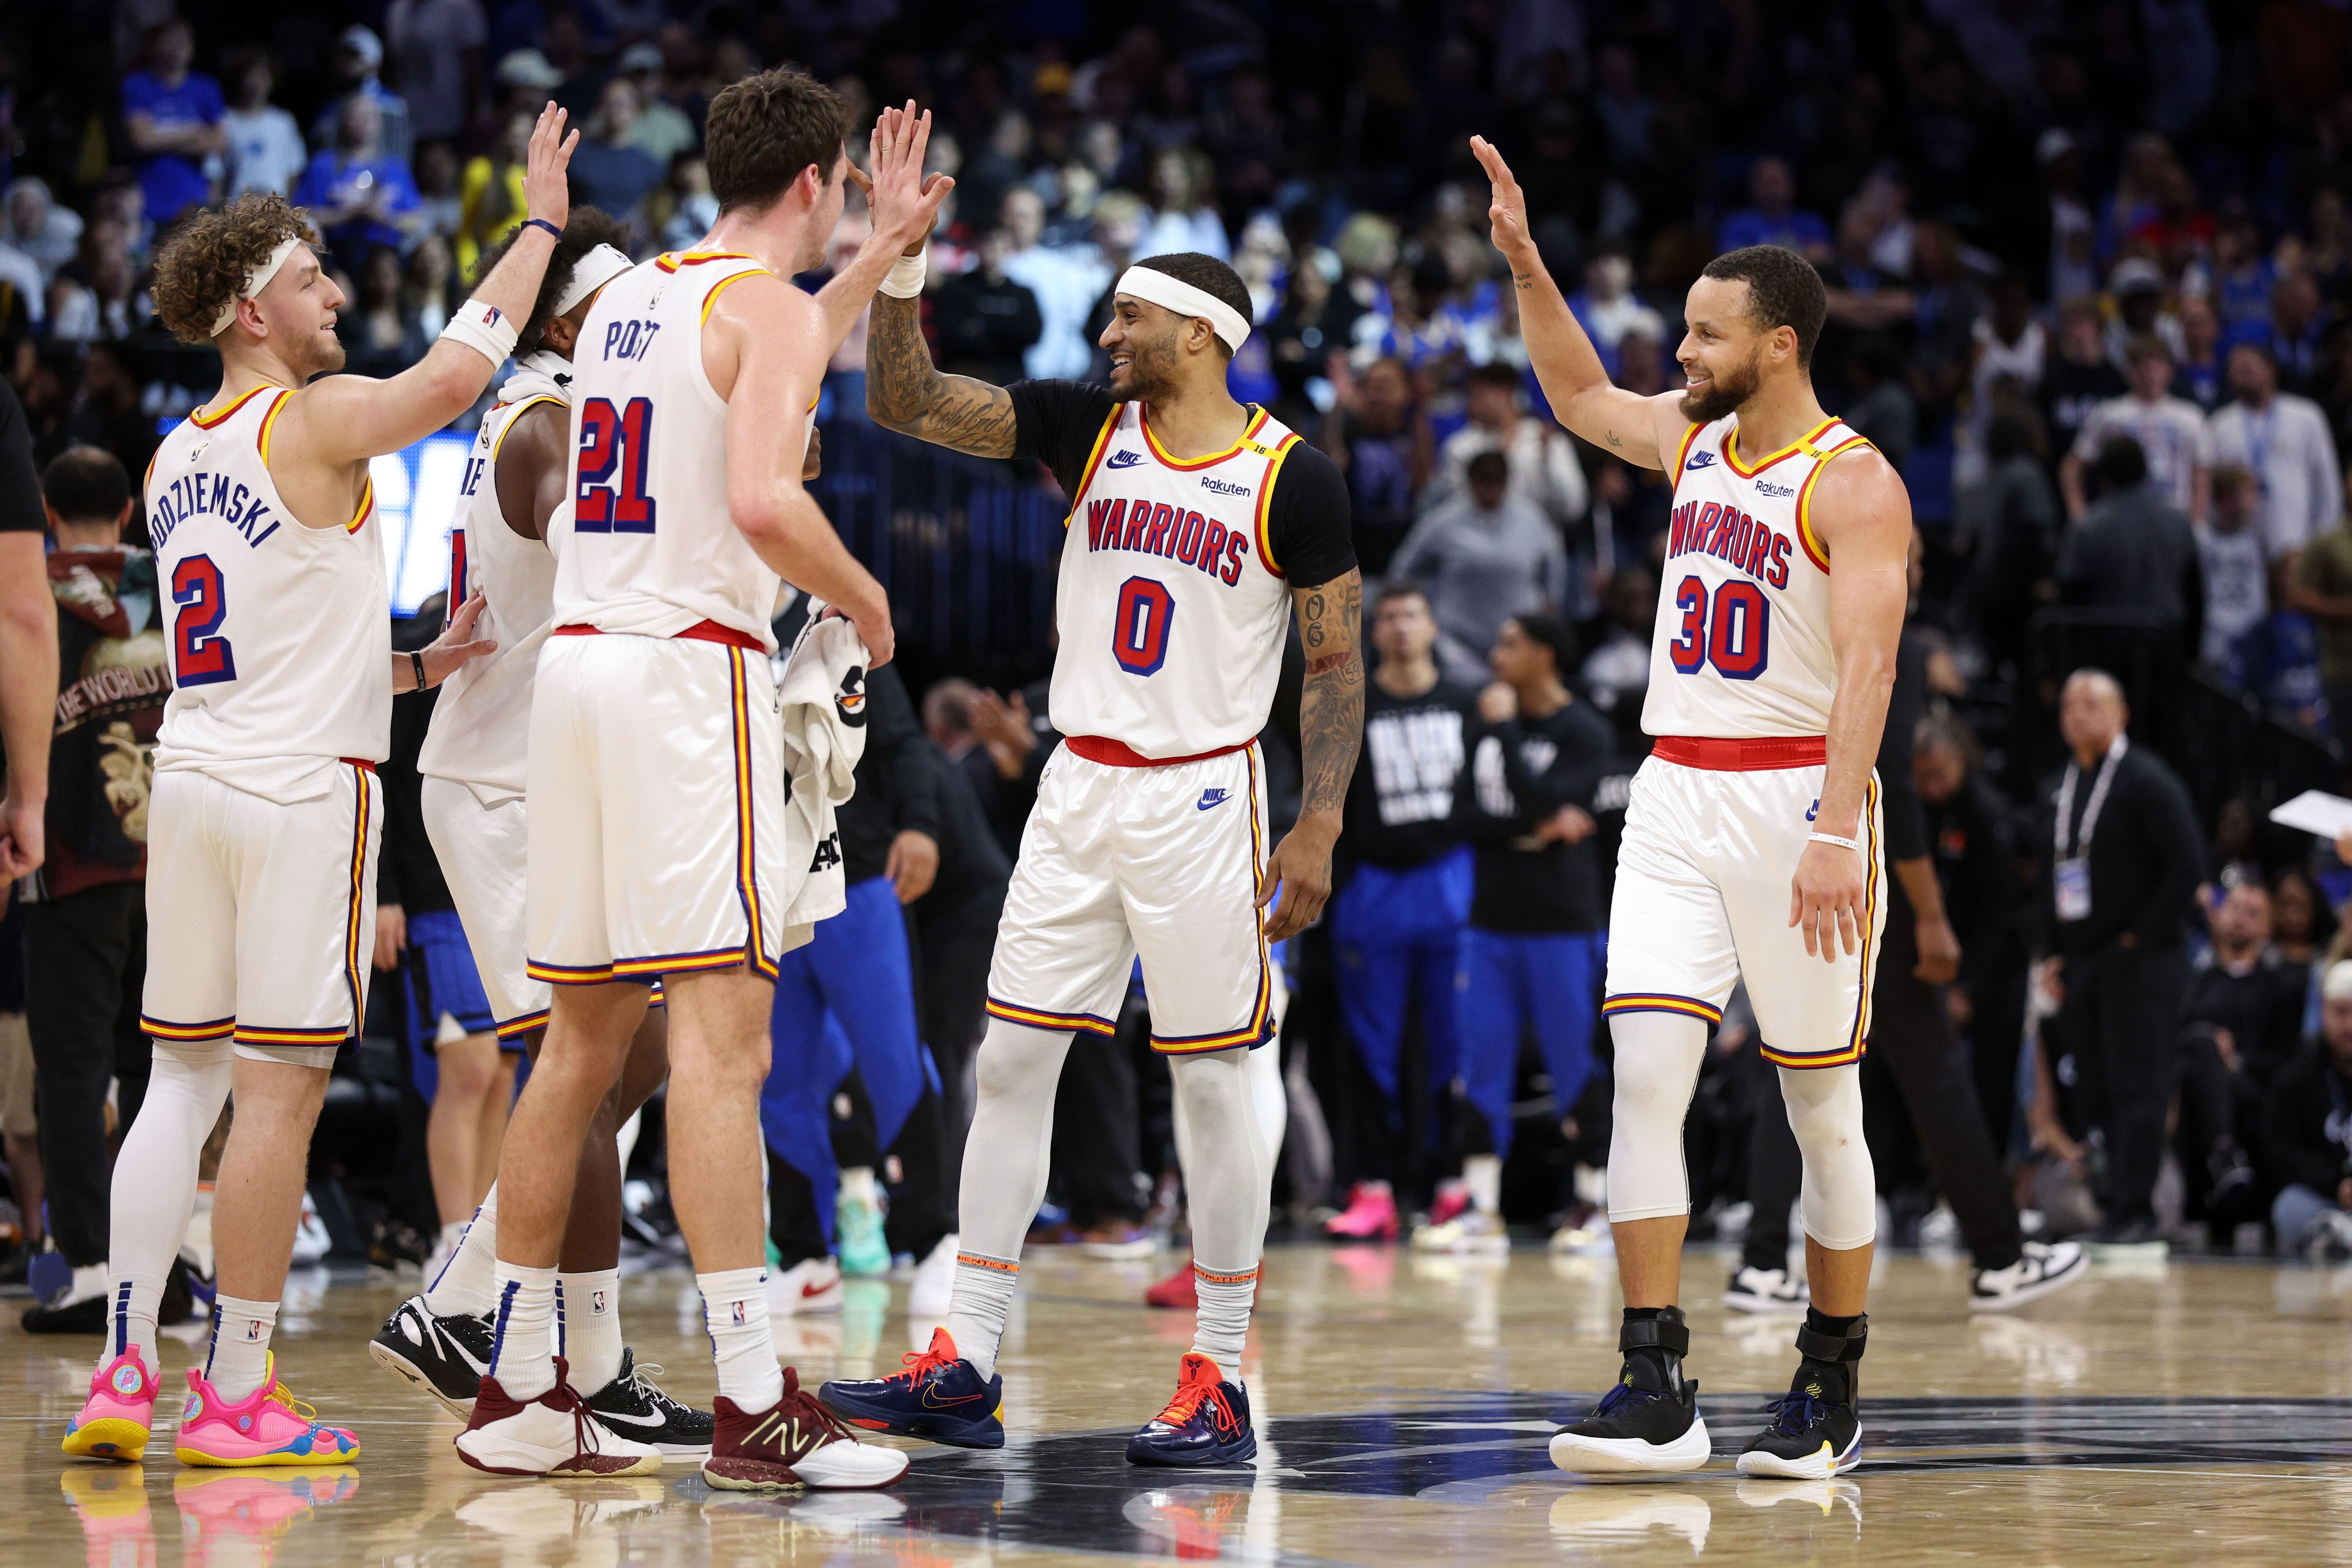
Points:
[(1658, 1056), (1009, 1149), (1840, 1197)]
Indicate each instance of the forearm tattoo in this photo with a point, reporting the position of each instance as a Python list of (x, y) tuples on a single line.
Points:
[(1331, 707), (906, 392)]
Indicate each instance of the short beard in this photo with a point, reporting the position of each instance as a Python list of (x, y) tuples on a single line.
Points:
[(1150, 375), (1724, 396)]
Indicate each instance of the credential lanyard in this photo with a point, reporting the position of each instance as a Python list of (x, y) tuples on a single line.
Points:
[(2098, 797)]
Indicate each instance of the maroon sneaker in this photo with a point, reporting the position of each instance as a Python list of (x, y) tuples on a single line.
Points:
[(794, 1443), (554, 1434)]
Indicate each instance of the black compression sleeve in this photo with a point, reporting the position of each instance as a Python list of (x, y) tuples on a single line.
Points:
[(1056, 422), (1309, 519)]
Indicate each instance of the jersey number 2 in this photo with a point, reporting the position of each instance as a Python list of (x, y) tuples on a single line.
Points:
[(200, 655), (613, 498), (1138, 637), (1736, 637)]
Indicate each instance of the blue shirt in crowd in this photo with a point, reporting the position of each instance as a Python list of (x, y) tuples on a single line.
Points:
[(331, 181), (1796, 229), (172, 183)]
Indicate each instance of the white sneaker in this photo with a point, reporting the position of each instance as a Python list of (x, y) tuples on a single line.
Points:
[(1765, 1290), (847, 1465), (552, 1435), (311, 1242), (811, 1285), (1471, 1232), (934, 1286), (2043, 1268)]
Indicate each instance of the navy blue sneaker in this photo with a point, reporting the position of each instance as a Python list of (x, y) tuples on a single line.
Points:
[(940, 1397), (1208, 1422)]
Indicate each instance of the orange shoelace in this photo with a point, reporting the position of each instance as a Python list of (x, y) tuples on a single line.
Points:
[(1190, 1397), (918, 1365)]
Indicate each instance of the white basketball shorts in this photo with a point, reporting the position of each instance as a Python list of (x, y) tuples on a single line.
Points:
[(485, 853), (1702, 901), (260, 916), (656, 790), (1163, 861)]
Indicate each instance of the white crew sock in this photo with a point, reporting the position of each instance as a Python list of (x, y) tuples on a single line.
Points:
[(1483, 1174), (977, 1310), (590, 1314), (467, 1285), (238, 1362), (154, 1188), (735, 1314), (522, 1343), (1221, 1325)]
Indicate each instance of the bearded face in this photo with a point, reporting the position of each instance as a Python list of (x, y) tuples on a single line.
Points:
[(1710, 393)]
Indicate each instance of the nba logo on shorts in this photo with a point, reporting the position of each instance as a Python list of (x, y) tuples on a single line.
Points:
[(738, 1314)]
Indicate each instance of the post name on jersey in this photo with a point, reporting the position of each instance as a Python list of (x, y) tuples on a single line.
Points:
[(1729, 534), (1156, 528), (631, 339), (203, 494)]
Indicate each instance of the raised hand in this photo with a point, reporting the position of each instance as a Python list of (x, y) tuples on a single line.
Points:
[(1507, 209), (546, 191), (904, 203)]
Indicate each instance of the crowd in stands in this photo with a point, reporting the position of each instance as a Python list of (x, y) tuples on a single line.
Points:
[(2089, 274)]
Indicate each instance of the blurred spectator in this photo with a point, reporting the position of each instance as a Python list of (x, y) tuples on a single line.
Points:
[(1607, 308), (983, 321), (2070, 254), (264, 150), (2014, 521), (1314, 321), (1543, 466), (608, 170), (2296, 325), (32, 223), (662, 131), (2283, 440), (2307, 1136), (1186, 218), (1970, 836), (172, 116), (2134, 549), (2232, 559), (1378, 432), (2012, 352), (490, 197), (1485, 557), (1618, 669), (2321, 587), (430, 289), (380, 336), (2175, 441), (1066, 281), (2079, 378), (2241, 1019), (439, 209), (23, 299), (107, 306), (111, 411), (1773, 217), (358, 193), (692, 208), (437, 52), (2138, 287), (2203, 375), (1883, 409), (358, 57)]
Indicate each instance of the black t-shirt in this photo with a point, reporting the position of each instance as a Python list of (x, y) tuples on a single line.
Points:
[(1520, 772), (20, 482), (1400, 811), (1056, 422), (2070, 391)]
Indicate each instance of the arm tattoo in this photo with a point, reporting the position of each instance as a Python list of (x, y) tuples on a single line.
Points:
[(1331, 707), (1614, 440), (906, 393)]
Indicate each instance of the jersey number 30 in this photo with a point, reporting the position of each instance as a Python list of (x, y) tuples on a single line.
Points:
[(613, 498), (200, 655), (1138, 636), (1736, 637)]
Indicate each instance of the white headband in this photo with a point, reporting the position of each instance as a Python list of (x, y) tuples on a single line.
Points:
[(1149, 283), (590, 273), (256, 280)]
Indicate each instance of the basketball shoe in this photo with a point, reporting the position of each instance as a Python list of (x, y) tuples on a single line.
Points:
[(553, 1434), (794, 1443), (117, 1419), (444, 1356), (1370, 1215), (1178, 1290), (1816, 1432), (2041, 1268), (267, 1426), (1207, 1422), (632, 1406), (1765, 1290), (1649, 1420), (938, 1396), (811, 1285), (1470, 1231)]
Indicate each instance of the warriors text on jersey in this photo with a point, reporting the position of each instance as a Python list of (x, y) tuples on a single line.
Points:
[(1742, 646), (280, 634), (668, 556), (1174, 599)]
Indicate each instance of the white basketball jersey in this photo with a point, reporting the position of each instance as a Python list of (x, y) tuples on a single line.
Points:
[(280, 634), (1742, 646), (650, 547), (480, 734), (1170, 605)]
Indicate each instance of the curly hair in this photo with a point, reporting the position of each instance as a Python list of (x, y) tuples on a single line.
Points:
[(202, 269), (583, 231)]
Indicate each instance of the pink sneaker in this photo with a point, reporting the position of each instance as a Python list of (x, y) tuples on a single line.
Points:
[(121, 1411), (269, 1426), (1452, 1199), (1371, 1214)]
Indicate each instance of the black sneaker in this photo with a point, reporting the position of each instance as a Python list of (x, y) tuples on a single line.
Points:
[(1815, 1431), (632, 1406), (1649, 1421), (86, 1316), (446, 1357)]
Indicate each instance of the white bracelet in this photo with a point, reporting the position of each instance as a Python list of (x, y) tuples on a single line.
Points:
[(485, 329), (906, 277), (1834, 838)]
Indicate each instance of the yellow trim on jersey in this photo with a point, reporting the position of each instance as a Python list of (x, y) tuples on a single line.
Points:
[(269, 426), (1251, 1032), (726, 283), (1257, 422), (1094, 461), (367, 505), (747, 859), (1801, 443), (1266, 504), (204, 421), (1681, 453), (671, 260), (245, 1037), (525, 406), (1663, 1001), (218, 1030), (1036, 1019), (1814, 549)]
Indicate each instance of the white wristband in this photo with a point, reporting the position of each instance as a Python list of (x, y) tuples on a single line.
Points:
[(483, 328), (1834, 838), (905, 280)]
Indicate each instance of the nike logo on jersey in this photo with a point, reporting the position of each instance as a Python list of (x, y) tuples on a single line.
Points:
[(1700, 460), (1122, 460), (1813, 810), (1210, 797)]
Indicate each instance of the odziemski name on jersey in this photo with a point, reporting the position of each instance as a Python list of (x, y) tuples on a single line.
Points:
[(1158, 528), (203, 494), (1712, 527)]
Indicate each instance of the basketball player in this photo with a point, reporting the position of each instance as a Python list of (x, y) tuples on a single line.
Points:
[(656, 831), (1751, 846), (473, 767), (1203, 520), (265, 817)]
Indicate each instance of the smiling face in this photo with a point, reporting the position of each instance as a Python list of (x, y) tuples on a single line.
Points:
[(298, 308), (1724, 355), (1147, 346)]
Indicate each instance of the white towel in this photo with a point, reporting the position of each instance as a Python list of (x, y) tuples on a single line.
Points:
[(822, 697)]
